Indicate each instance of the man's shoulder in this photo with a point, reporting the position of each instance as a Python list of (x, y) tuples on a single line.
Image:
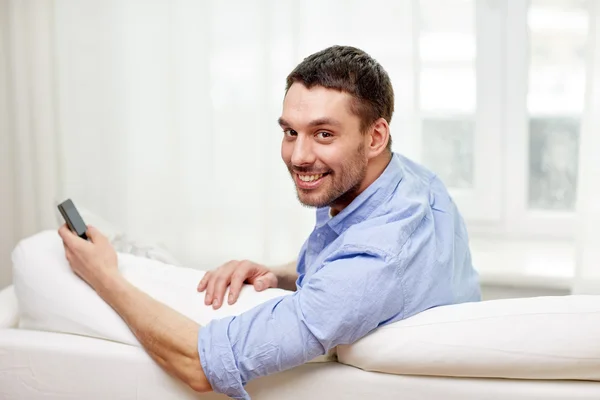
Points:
[(388, 231), (419, 204)]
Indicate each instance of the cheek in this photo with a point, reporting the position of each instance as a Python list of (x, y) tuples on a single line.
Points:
[(333, 156)]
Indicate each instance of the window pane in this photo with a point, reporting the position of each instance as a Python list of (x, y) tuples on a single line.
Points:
[(449, 150), (558, 35), (447, 86), (553, 162)]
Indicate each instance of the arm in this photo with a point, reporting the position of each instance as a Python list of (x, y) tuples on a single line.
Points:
[(346, 299), (169, 337)]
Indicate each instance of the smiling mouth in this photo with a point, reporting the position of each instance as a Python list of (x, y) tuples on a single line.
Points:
[(309, 181), (310, 178)]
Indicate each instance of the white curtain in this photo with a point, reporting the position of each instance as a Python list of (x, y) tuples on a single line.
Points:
[(28, 126), (587, 275), (160, 116)]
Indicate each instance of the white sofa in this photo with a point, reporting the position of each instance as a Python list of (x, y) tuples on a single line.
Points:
[(58, 340)]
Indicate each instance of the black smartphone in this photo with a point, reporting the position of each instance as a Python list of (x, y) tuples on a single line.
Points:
[(72, 218)]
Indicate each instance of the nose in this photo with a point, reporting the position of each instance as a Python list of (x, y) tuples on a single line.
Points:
[(303, 153)]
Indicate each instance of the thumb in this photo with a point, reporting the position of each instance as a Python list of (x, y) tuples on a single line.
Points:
[(67, 236), (269, 280)]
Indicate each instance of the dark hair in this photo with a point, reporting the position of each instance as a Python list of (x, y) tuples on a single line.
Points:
[(353, 71)]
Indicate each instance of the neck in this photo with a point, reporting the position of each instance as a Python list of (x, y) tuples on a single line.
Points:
[(375, 168)]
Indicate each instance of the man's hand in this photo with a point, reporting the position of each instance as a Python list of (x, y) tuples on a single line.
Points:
[(234, 274), (93, 260)]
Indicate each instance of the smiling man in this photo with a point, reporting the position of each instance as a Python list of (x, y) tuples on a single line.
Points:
[(388, 242)]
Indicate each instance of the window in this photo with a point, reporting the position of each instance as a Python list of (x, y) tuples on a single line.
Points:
[(501, 89), (544, 103)]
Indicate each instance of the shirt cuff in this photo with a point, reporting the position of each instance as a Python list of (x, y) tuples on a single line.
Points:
[(218, 360)]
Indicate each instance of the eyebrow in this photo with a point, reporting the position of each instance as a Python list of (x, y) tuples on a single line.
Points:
[(313, 123)]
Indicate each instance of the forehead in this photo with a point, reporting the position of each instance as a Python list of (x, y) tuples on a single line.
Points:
[(302, 105)]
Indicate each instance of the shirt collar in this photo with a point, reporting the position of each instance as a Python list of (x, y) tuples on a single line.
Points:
[(366, 202)]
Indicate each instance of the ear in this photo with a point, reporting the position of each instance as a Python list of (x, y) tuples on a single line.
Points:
[(377, 138)]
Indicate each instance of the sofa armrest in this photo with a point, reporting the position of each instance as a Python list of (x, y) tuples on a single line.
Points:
[(9, 309)]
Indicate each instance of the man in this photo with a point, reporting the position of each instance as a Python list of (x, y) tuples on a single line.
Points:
[(388, 242)]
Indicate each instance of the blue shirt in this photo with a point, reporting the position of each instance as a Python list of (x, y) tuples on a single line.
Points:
[(399, 248)]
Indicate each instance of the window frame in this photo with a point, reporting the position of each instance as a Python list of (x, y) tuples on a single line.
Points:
[(520, 219)]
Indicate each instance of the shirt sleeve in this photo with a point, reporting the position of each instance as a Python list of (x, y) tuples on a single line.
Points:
[(354, 292)]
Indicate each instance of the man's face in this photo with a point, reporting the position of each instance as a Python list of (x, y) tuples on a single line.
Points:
[(322, 145)]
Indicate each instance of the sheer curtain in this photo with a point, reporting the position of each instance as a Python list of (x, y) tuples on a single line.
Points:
[(28, 127), (160, 116), (587, 276)]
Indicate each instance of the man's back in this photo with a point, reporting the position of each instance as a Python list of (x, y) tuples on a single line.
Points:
[(408, 218)]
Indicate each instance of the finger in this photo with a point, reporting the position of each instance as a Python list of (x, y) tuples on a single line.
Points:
[(268, 280), (204, 282), (63, 230), (67, 236), (221, 284), (210, 289), (73, 242), (95, 235), (211, 279), (235, 287)]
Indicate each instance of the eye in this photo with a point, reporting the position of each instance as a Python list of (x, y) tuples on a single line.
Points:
[(290, 133), (324, 135)]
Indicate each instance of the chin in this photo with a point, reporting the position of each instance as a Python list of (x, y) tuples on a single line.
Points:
[(312, 201)]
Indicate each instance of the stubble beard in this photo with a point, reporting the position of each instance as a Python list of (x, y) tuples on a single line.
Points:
[(341, 187)]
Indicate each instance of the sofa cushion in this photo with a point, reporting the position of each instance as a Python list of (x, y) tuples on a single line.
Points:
[(528, 338)]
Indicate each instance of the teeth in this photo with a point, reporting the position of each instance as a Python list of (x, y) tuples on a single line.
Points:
[(309, 178)]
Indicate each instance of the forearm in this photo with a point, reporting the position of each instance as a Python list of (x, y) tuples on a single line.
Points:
[(286, 276), (169, 337)]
